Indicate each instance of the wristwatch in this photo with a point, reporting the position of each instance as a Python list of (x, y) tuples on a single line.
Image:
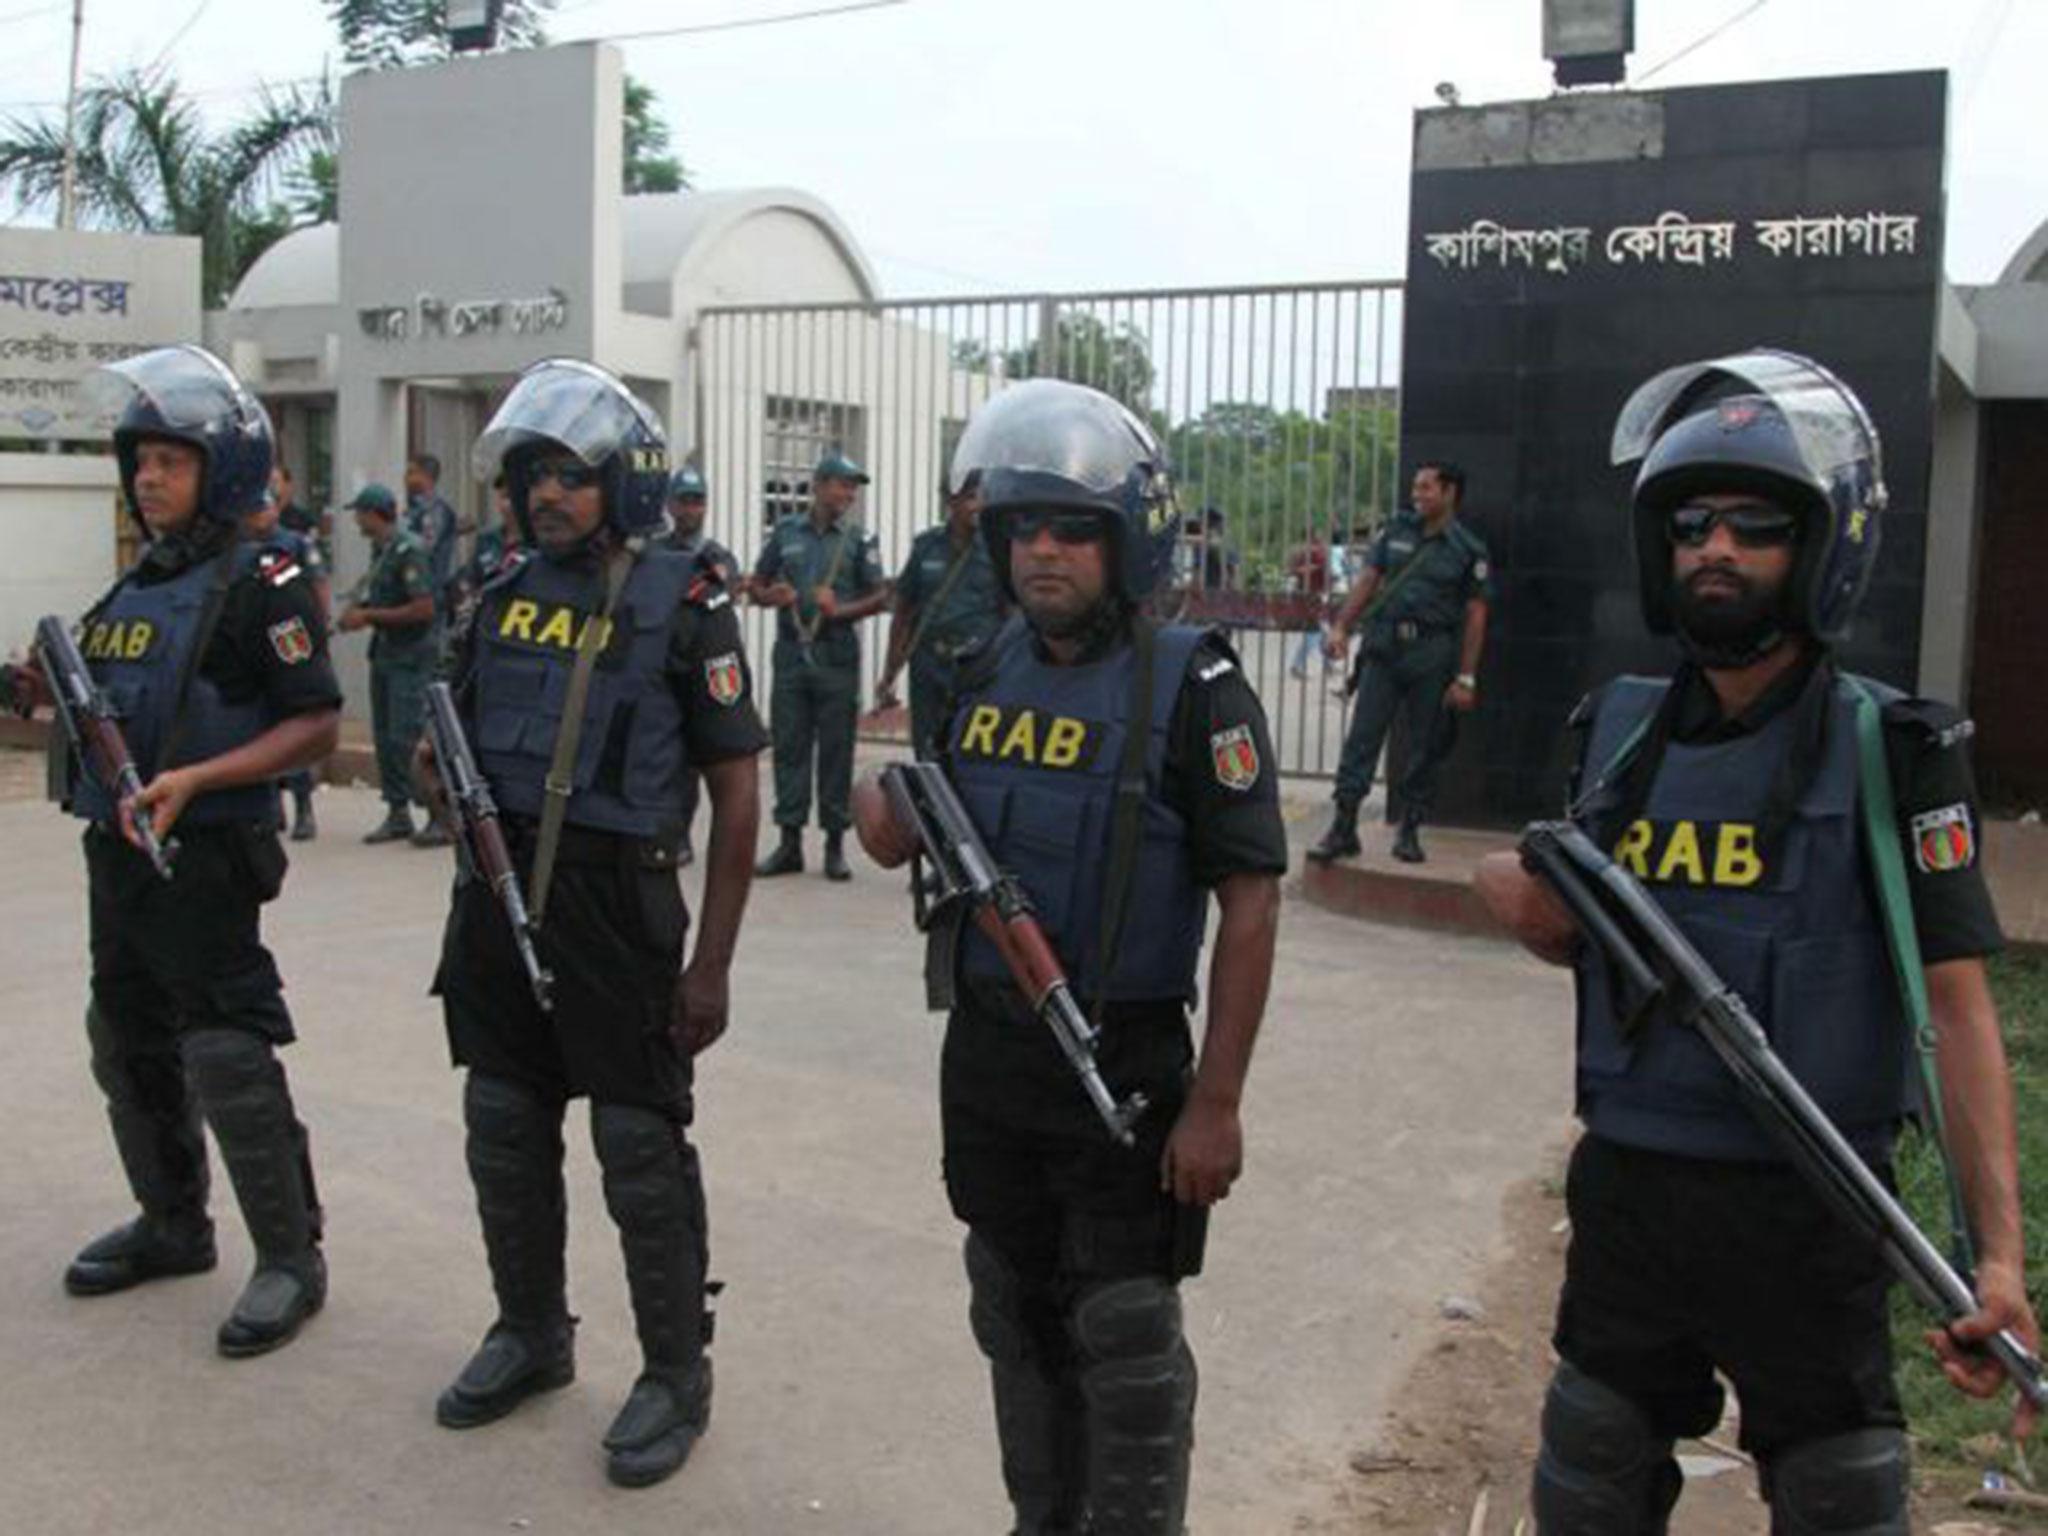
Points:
[(1468, 681)]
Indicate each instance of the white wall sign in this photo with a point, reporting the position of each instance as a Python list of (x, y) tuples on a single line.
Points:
[(70, 302)]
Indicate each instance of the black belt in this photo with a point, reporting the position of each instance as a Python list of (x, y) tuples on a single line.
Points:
[(591, 847), (1408, 631)]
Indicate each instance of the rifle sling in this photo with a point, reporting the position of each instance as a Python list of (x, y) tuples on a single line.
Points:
[(1128, 816), (1895, 902), (561, 780), (808, 632), (929, 609)]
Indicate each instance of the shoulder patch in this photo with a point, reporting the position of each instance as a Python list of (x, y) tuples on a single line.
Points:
[(291, 641), (277, 568), (724, 679), (1235, 755), (1945, 839)]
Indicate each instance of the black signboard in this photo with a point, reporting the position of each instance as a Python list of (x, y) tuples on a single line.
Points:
[(1561, 252)]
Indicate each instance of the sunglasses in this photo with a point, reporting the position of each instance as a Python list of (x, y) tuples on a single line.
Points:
[(1752, 524), (569, 474), (1067, 525)]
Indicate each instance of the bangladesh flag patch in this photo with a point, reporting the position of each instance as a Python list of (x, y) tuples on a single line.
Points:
[(1236, 757), (1945, 839)]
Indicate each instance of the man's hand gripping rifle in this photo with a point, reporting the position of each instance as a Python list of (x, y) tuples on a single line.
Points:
[(966, 872), (95, 736), (483, 838), (1654, 962)]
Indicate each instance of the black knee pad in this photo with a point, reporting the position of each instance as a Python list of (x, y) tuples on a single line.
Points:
[(230, 1067), (1013, 1320), (1137, 1372), (650, 1173), (1845, 1485), (510, 1125), (1603, 1470)]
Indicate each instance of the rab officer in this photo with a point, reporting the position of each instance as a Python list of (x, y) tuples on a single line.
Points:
[(1814, 835), (1122, 773), (213, 653), (596, 671)]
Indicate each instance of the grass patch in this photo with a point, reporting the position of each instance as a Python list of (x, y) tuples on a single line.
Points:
[(1948, 1427)]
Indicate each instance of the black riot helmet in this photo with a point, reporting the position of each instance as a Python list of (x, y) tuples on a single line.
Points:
[(566, 404), (188, 395), (1048, 443), (1770, 424)]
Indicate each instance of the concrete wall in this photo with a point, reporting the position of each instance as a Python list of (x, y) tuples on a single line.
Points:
[(57, 524)]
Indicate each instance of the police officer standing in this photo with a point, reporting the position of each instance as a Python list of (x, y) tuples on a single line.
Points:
[(606, 662), (1748, 791), (823, 573), (1076, 1244), (215, 652), (947, 603), (1428, 580), (396, 603), (430, 519)]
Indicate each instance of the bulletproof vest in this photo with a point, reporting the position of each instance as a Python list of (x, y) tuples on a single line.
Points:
[(630, 758), (1795, 930), (136, 647), (1034, 753)]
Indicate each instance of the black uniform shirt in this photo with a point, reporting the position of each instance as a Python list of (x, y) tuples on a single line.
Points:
[(1933, 788), (271, 640)]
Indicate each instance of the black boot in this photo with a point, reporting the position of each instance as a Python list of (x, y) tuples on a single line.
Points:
[(1408, 841), (163, 1152), (432, 834), (835, 857), (1341, 841), (1041, 1421), (787, 859), (656, 1196), (242, 1091), (396, 827), (515, 1161), (304, 827)]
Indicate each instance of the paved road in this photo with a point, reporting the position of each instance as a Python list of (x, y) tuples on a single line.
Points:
[(1403, 1083)]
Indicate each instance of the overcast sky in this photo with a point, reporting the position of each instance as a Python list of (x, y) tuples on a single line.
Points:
[(1023, 144)]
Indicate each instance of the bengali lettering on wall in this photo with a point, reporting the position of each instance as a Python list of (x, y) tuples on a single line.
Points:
[(1674, 239), (71, 302), (428, 316)]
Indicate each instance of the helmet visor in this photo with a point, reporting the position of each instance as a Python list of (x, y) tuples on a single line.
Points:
[(1828, 422), (1042, 428), (187, 387), (563, 401)]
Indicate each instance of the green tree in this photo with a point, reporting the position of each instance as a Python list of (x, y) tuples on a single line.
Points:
[(649, 165), (147, 164), (391, 34)]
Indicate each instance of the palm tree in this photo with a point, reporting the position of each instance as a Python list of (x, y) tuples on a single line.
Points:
[(148, 165)]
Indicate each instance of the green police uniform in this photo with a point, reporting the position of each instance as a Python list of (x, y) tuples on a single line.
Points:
[(954, 613), (1410, 654), (815, 696), (401, 662)]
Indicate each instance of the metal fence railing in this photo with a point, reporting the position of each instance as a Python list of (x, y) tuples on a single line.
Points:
[(1278, 405)]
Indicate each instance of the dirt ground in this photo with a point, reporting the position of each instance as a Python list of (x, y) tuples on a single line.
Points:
[(1464, 1423)]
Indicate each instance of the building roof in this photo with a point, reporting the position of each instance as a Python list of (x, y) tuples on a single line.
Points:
[(2029, 263), (665, 237)]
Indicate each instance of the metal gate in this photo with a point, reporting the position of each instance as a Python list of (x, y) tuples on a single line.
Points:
[(1278, 406)]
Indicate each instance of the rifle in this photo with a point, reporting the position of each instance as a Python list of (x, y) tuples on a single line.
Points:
[(1621, 919), (483, 838), (95, 736), (966, 873)]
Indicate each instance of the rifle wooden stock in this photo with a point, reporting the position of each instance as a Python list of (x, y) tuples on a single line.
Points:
[(96, 738), (483, 836), (1621, 919), (948, 839)]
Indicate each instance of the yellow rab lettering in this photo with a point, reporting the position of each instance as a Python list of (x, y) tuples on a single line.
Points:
[(1735, 856), (558, 631), (980, 736), (518, 621), (1023, 738), (1683, 852), (1063, 741), (140, 634), (1632, 852)]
